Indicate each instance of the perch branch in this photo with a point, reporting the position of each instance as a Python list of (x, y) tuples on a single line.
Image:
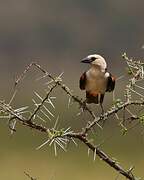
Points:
[(59, 83), (82, 136)]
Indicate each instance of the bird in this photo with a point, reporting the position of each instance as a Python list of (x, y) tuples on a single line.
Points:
[(96, 81)]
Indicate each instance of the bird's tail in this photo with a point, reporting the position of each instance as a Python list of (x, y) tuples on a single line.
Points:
[(94, 98)]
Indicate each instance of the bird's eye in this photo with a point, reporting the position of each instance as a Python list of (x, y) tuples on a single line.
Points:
[(93, 58)]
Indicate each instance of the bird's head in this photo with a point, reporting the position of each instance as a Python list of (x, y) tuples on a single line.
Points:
[(95, 60)]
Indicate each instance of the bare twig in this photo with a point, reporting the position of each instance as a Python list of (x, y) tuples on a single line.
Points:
[(30, 177)]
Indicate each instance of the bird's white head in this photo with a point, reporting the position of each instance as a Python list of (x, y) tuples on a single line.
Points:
[(96, 61)]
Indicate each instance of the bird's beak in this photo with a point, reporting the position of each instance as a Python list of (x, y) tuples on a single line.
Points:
[(86, 60)]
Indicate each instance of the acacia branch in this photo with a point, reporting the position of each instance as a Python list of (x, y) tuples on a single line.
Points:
[(43, 101), (79, 136), (82, 136), (59, 83), (107, 159), (111, 112)]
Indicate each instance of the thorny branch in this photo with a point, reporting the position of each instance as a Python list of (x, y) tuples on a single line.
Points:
[(43, 101), (107, 159), (59, 83), (63, 136)]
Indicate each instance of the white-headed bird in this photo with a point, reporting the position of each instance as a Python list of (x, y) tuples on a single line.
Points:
[(96, 81)]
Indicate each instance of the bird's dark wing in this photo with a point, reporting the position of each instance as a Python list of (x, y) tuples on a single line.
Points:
[(82, 81), (110, 83)]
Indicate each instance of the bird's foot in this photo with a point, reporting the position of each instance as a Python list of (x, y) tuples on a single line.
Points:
[(84, 105), (102, 110)]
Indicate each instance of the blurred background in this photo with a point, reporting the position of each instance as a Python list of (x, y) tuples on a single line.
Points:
[(58, 34)]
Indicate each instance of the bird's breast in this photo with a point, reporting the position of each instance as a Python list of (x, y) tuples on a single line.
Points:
[(96, 81)]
